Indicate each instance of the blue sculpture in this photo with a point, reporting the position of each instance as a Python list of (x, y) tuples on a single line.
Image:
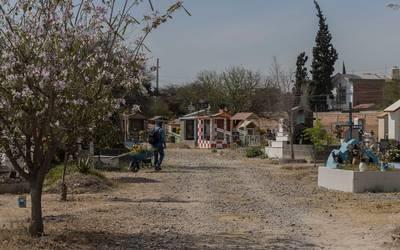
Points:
[(337, 157)]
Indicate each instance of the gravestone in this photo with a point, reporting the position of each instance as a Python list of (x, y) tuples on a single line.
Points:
[(276, 147)]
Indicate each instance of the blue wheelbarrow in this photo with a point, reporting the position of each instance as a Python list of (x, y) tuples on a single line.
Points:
[(138, 160)]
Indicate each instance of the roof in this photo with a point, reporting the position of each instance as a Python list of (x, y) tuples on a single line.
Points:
[(382, 115), (371, 76), (194, 114), (222, 114), (158, 117), (244, 116), (136, 116), (361, 76), (394, 107), (244, 124), (364, 106)]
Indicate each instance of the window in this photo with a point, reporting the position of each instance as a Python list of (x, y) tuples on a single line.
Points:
[(342, 96)]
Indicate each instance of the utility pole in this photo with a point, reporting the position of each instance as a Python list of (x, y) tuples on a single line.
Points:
[(351, 119), (158, 76)]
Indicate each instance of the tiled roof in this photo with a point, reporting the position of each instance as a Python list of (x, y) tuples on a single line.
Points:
[(364, 106), (242, 116)]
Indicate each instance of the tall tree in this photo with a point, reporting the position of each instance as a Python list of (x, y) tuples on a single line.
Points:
[(59, 63), (324, 58), (301, 77)]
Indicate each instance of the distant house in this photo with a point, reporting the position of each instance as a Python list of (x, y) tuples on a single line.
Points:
[(389, 122), (205, 130), (188, 127), (246, 128), (366, 90)]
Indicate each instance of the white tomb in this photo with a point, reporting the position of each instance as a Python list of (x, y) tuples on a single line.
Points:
[(275, 149)]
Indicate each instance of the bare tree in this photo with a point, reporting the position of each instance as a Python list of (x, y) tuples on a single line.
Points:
[(239, 85), (280, 78)]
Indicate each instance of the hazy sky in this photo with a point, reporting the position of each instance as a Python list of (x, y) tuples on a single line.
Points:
[(224, 33)]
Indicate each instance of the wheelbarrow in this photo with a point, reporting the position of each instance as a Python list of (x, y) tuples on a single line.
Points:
[(137, 160)]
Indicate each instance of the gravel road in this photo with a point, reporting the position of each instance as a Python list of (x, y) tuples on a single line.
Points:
[(204, 200)]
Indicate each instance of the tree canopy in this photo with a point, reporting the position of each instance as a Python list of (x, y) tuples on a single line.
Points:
[(322, 67), (60, 61)]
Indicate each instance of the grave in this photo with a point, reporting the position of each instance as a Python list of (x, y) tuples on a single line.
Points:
[(276, 147)]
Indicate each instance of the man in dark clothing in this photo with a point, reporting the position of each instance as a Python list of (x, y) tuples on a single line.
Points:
[(159, 146)]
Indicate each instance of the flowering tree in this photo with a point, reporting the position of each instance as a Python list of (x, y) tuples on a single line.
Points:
[(59, 61)]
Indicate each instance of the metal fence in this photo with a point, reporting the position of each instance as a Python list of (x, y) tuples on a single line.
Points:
[(250, 140)]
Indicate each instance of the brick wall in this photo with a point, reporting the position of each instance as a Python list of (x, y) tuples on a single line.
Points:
[(329, 119), (368, 91)]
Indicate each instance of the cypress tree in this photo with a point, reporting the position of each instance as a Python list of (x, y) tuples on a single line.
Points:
[(301, 77), (344, 69), (324, 58)]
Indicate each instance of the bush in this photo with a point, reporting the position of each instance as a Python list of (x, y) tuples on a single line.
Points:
[(393, 155), (84, 165), (253, 152), (55, 174)]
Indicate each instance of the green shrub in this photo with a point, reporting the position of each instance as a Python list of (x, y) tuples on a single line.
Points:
[(84, 165), (393, 155), (253, 152), (56, 173), (214, 150)]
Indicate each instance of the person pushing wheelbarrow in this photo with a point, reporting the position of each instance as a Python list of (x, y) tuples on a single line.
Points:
[(157, 141)]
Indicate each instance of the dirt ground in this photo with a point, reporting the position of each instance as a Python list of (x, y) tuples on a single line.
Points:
[(205, 200)]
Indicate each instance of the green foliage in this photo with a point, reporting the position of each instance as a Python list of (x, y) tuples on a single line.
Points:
[(84, 165), (301, 76), (253, 152), (391, 93), (214, 150), (393, 155), (55, 174), (318, 136), (160, 107), (106, 134), (324, 58)]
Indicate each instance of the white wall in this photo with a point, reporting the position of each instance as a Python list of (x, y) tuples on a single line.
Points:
[(383, 127), (394, 125)]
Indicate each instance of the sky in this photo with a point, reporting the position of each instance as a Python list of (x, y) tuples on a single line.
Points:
[(249, 33)]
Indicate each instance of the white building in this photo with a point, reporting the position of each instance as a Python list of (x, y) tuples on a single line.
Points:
[(389, 123), (360, 89)]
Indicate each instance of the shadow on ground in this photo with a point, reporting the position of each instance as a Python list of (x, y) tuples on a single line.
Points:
[(160, 200), (198, 168), (75, 239), (287, 243), (135, 180)]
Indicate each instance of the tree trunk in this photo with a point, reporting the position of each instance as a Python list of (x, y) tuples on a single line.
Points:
[(291, 136), (36, 227), (64, 188)]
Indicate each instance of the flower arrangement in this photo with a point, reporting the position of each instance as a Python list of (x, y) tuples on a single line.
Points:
[(138, 149), (393, 155)]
